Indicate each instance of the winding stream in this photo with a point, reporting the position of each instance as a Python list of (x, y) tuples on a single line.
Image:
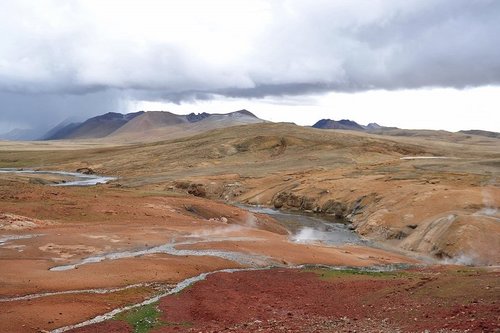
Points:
[(251, 260), (83, 291), (7, 238), (77, 179)]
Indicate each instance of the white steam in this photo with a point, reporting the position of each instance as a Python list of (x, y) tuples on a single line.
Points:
[(462, 259), (251, 220), (217, 232), (490, 208)]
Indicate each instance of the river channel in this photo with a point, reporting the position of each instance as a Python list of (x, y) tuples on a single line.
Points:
[(74, 178)]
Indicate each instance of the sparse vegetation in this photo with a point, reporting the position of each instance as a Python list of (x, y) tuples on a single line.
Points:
[(145, 318), (327, 274)]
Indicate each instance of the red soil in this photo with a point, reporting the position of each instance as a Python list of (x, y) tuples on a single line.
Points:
[(80, 222), (298, 301)]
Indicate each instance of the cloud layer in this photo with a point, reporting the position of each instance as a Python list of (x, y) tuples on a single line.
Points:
[(184, 50)]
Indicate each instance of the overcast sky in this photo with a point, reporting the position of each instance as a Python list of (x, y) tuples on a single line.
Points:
[(407, 63)]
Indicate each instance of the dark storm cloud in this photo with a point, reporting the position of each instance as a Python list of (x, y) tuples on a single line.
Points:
[(43, 111), (263, 90), (426, 44), (258, 91), (83, 57), (451, 44)]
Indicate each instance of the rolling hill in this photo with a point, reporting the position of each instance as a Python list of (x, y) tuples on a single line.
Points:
[(482, 133), (343, 124), (393, 189)]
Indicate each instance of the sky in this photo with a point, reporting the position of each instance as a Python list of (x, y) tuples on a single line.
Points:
[(407, 63)]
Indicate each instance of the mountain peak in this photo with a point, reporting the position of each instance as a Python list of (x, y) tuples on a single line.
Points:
[(195, 117), (245, 112), (373, 126)]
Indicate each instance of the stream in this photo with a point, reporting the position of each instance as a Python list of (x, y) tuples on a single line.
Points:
[(251, 260), (76, 178), (83, 291), (311, 229)]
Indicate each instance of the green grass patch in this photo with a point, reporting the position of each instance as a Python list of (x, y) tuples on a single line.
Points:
[(146, 318), (142, 319), (328, 274), (468, 271)]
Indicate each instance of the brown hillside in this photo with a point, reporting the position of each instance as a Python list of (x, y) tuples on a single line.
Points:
[(149, 121), (356, 176), (158, 125)]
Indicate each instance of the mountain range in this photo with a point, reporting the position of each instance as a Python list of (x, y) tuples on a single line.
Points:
[(346, 124), (148, 126), (374, 128)]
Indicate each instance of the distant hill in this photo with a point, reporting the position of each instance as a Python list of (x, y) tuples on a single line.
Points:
[(160, 125), (346, 124), (62, 129), (96, 127), (18, 134), (150, 120), (193, 117), (148, 126), (343, 124), (482, 133), (372, 127)]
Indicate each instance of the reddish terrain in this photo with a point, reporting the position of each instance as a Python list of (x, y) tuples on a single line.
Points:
[(439, 299), (71, 224), (426, 198)]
